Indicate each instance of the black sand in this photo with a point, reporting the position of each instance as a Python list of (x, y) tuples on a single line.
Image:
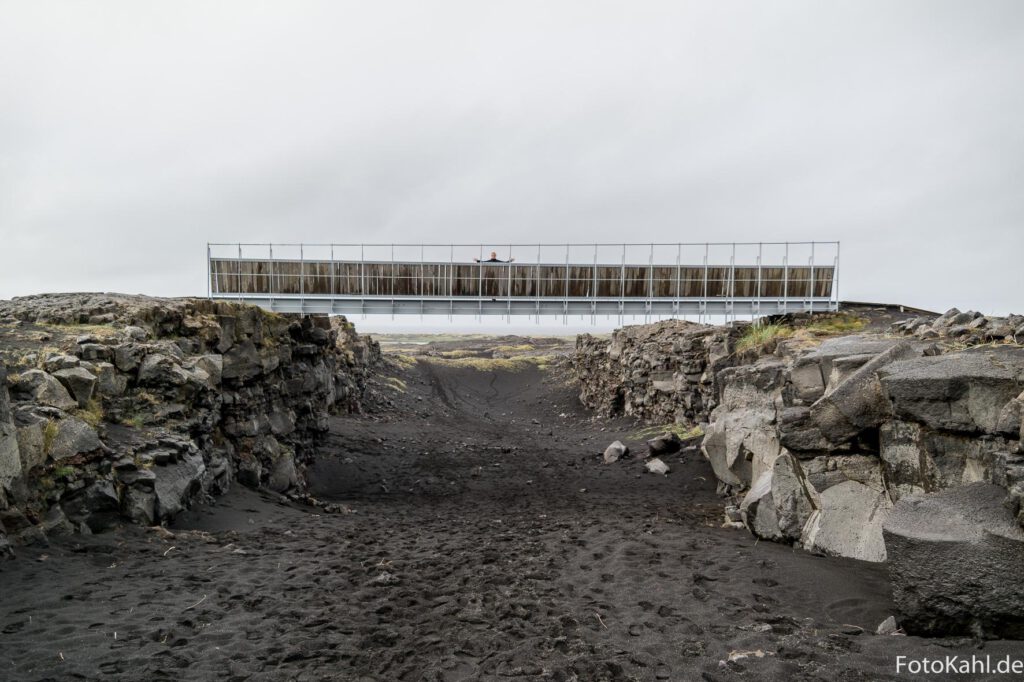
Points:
[(485, 540)]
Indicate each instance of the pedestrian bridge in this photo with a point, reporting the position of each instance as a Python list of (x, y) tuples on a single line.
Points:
[(727, 279)]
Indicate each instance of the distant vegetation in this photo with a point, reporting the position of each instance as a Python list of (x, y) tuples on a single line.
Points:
[(760, 335), (516, 364)]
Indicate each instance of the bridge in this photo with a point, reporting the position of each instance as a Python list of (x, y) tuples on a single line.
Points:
[(705, 279)]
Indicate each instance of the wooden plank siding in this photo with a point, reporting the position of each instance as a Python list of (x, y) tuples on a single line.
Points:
[(513, 280)]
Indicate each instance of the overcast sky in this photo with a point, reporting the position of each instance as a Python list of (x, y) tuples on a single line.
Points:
[(131, 133)]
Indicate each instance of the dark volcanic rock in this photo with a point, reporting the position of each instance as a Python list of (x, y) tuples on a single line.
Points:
[(79, 381), (163, 401), (664, 445), (955, 560), (956, 392), (857, 402)]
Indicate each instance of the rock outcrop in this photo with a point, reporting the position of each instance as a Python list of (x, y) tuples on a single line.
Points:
[(120, 407), (816, 440), (968, 328), (662, 373), (954, 557)]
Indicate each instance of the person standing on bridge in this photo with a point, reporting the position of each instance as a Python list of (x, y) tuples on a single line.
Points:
[(494, 259)]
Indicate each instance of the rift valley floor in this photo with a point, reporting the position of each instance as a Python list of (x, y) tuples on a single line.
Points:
[(481, 538)]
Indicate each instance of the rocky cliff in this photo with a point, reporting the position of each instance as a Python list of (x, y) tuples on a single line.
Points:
[(662, 373), (126, 407), (816, 438)]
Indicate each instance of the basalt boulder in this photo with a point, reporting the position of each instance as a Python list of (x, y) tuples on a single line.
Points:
[(955, 559), (858, 401), (80, 383), (44, 389), (965, 391)]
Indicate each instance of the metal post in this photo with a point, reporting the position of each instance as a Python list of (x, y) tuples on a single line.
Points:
[(593, 291), (333, 277), (302, 279), (679, 277), (835, 280), (238, 270), (451, 281), (508, 284), (622, 284), (812, 278), (209, 266), (704, 296), (650, 285), (565, 302), (270, 288), (785, 280), (537, 292), (480, 284), (732, 282), (760, 251)]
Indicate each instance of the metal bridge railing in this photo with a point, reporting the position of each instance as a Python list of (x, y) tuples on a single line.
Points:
[(722, 278)]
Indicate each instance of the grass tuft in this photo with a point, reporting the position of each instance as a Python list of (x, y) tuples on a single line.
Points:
[(460, 353), (836, 325), (681, 430), (759, 335), (522, 348), (92, 413), (49, 435), (396, 384), (401, 359), (135, 421)]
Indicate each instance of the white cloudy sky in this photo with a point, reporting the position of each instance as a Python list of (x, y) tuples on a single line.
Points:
[(131, 133)]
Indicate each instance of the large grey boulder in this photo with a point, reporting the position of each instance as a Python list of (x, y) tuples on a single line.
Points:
[(806, 379), (207, 368), (799, 434), (812, 372), (109, 381), (73, 437), (848, 522), (955, 559), (40, 387), (283, 474), (655, 466), (176, 484), (160, 370), (758, 509), (964, 391), (780, 502), (794, 497), (79, 381), (96, 506), (60, 361), (139, 505), (665, 444), (614, 452), (742, 440), (858, 402), (32, 445)]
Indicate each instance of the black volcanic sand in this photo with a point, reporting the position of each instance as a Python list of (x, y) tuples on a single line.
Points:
[(484, 539)]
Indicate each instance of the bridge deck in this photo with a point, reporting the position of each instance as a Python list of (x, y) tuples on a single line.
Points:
[(438, 287)]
